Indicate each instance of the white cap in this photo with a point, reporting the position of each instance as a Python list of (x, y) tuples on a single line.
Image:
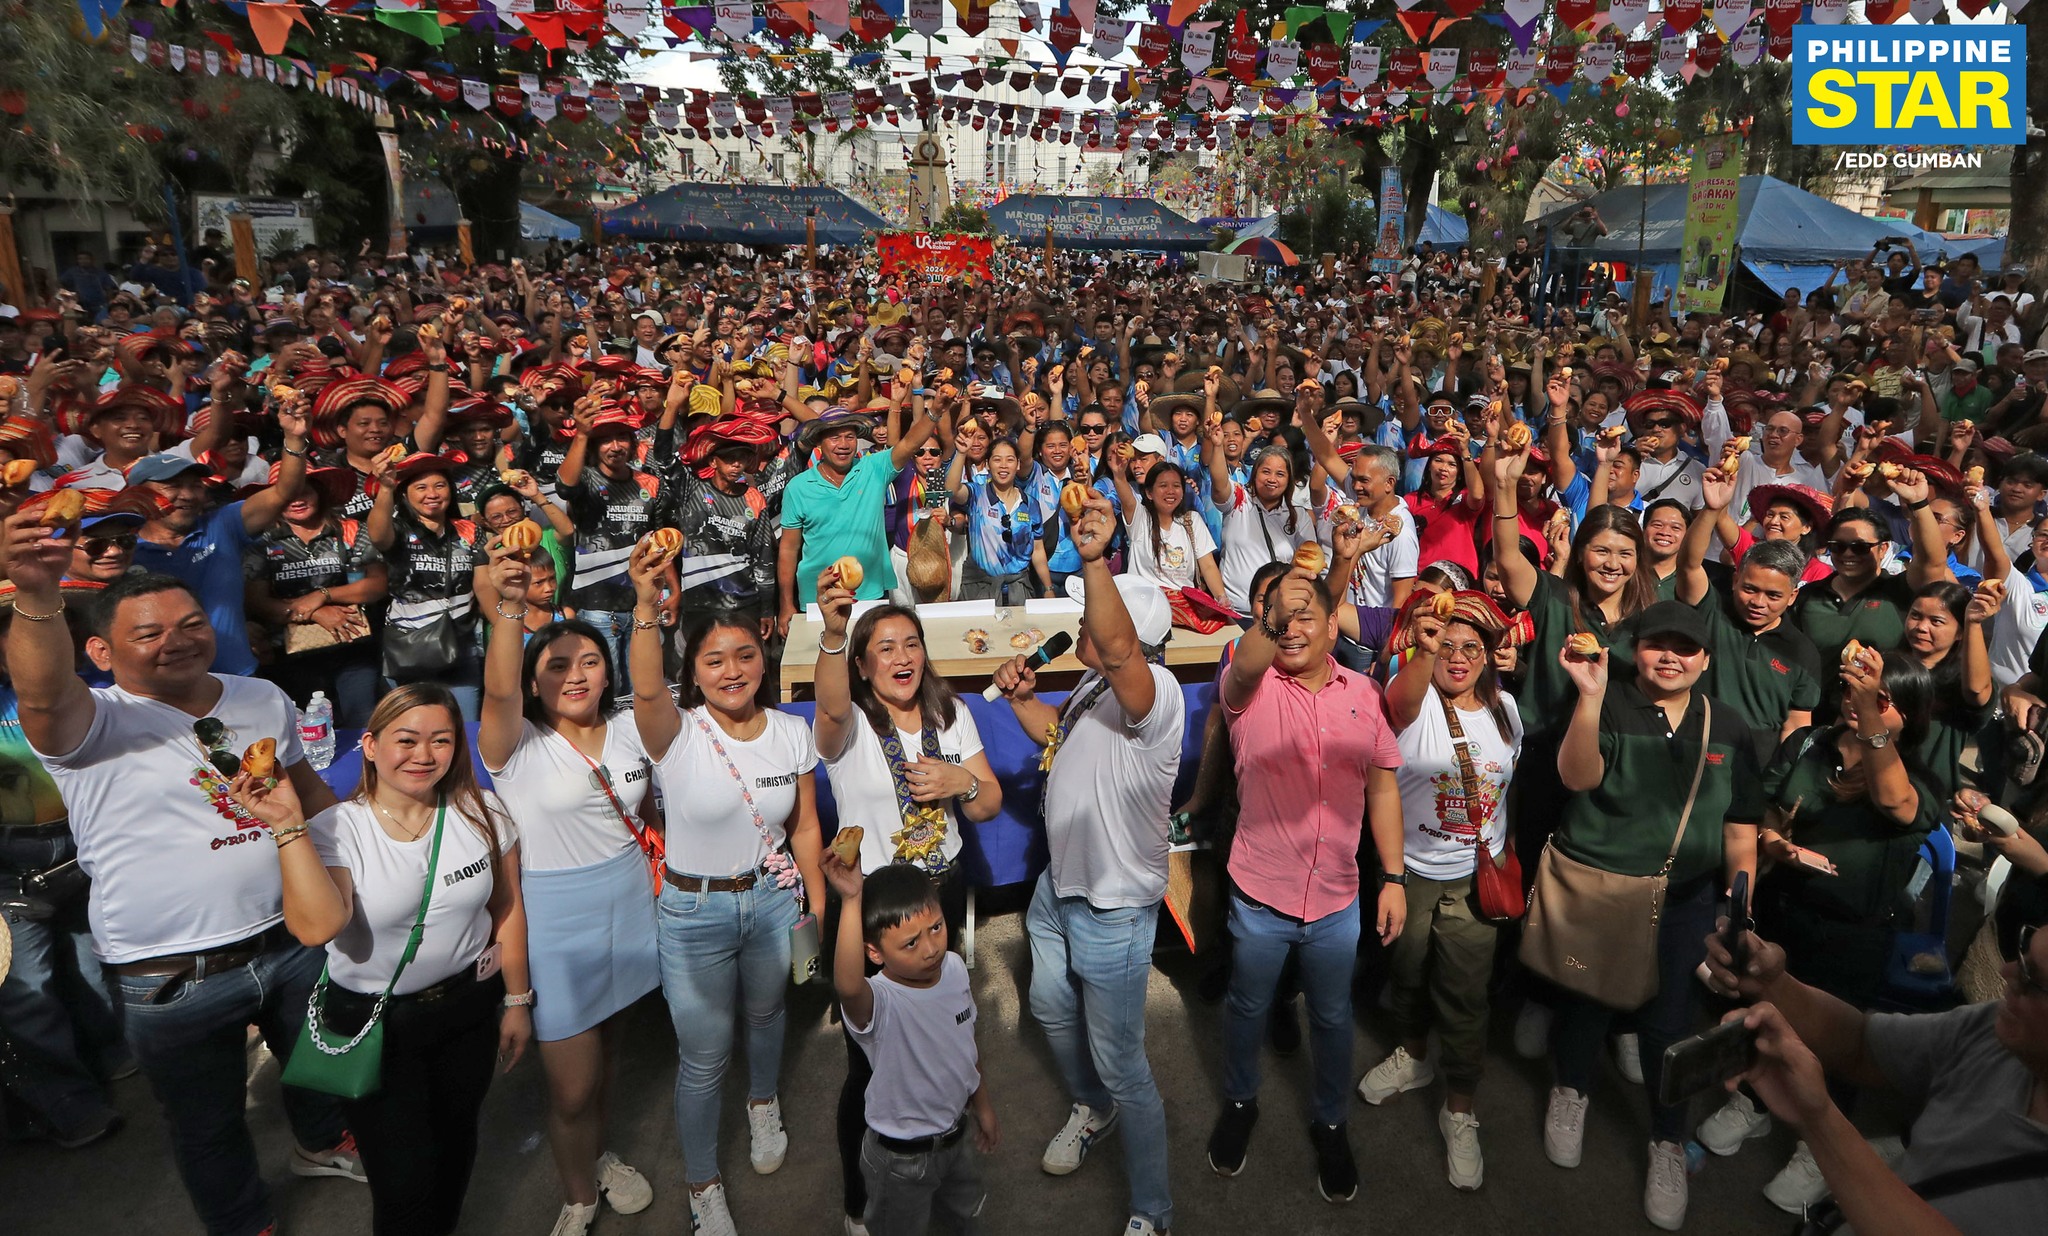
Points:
[(1150, 614), (1149, 444)]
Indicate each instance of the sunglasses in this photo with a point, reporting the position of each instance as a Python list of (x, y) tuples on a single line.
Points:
[(1094, 429), (2029, 981), (1660, 422), (1853, 547), (932, 451), (100, 546), (212, 733)]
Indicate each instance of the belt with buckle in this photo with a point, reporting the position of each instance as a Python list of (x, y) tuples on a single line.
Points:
[(711, 884), (923, 1145), (197, 966)]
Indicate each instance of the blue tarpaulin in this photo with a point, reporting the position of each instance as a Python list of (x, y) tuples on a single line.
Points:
[(742, 214), (1779, 223), (1988, 250), (1443, 229), (538, 224), (1096, 223), (1781, 276)]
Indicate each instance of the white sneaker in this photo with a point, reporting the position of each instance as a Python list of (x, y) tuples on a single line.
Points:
[(626, 1189), (1396, 1074), (1461, 1147), (1564, 1127), (1532, 1030), (1063, 1154), (854, 1227), (575, 1219), (1141, 1227), (1798, 1185), (1664, 1188), (708, 1215), (1736, 1122), (1628, 1057), (770, 1139), (343, 1160)]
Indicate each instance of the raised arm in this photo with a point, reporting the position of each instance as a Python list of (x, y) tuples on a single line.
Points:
[(1104, 616), (833, 683), (1404, 696), (1579, 763), (1517, 573), (502, 602), (55, 707), (1289, 598), (1930, 549), (655, 713), (1717, 490), (262, 509)]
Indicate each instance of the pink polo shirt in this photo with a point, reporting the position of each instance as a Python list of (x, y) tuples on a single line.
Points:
[(1301, 769)]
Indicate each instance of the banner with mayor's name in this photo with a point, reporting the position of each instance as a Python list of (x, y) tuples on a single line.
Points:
[(1909, 85)]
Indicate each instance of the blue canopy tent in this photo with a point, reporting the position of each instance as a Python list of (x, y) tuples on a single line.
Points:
[(1788, 237), (1988, 250), (742, 214), (538, 224), (1096, 223), (1268, 226), (1443, 229)]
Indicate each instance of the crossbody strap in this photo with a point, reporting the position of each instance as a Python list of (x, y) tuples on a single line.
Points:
[(1698, 771), (1829, 1218), (1468, 772), (419, 924)]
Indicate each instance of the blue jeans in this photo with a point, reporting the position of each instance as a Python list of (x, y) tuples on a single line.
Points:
[(718, 951), (616, 625), (191, 1038), (57, 1017), (1582, 1024), (1325, 951), (1088, 973)]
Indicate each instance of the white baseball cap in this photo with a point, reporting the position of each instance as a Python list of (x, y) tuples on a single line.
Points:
[(1149, 444), (1150, 614)]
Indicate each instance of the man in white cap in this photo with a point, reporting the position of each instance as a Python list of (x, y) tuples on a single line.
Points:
[(1112, 753)]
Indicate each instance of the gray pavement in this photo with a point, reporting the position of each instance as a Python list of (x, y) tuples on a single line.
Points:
[(128, 1183)]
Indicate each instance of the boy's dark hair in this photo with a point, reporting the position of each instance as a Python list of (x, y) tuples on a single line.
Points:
[(891, 895), (100, 618)]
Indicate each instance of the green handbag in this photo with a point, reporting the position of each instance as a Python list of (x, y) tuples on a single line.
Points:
[(355, 1069)]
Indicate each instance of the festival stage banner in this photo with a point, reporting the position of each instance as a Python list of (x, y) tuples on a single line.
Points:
[(938, 258), (1706, 255)]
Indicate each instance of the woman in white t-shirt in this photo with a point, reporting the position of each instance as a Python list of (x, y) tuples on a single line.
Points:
[(417, 825), (743, 847), (1261, 522), (1169, 544), (1459, 736), (906, 765), (578, 785)]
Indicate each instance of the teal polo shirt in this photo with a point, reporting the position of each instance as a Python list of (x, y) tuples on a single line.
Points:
[(841, 520)]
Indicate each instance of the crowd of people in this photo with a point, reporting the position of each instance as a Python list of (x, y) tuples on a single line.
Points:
[(1545, 601)]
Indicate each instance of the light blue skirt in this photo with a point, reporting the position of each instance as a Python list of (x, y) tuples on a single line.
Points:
[(589, 942)]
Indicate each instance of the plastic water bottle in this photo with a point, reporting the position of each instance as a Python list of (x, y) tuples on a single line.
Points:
[(316, 730)]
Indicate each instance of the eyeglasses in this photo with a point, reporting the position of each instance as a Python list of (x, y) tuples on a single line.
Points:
[(2029, 981), (1470, 651), (1853, 547), (100, 546), (212, 733)]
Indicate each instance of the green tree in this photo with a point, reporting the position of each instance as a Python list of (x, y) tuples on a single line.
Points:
[(963, 218)]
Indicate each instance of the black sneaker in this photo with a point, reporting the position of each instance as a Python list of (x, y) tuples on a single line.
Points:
[(1336, 1170), (1283, 1028), (1233, 1132)]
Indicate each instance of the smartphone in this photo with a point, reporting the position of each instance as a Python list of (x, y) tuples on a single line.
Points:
[(1706, 1060), (1736, 937)]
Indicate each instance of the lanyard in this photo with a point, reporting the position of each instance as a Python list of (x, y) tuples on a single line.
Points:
[(923, 835), (777, 864)]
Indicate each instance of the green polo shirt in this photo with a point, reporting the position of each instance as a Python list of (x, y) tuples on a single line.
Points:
[(1547, 695), (1626, 823), (842, 519), (1764, 677), (1968, 407), (1873, 854), (1955, 726), (1876, 616)]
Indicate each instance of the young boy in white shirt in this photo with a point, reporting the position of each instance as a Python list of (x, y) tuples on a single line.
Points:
[(916, 1021)]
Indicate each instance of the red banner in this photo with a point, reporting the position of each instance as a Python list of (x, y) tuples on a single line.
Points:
[(938, 258)]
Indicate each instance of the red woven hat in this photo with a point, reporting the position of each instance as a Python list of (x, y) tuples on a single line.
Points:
[(1817, 506), (168, 413), (1639, 406), (480, 411), (420, 463), (132, 350), (137, 500), (28, 439)]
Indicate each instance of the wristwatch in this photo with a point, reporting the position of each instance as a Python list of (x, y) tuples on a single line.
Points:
[(1877, 741), (1394, 877), (973, 793)]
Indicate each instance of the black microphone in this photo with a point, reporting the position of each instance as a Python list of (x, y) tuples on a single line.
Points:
[(1051, 650)]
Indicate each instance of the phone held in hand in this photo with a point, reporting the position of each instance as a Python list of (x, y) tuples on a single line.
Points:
[(1736, 937), (1706, 1060)]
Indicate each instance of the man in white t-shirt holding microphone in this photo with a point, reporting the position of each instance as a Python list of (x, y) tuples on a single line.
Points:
[(186, 905), (1114, 753)]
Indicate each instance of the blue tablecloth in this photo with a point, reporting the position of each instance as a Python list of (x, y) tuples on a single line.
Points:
[(1008, 849)]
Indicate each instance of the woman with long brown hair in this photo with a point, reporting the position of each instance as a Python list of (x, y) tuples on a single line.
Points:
[(419, 843), (906, 765)]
